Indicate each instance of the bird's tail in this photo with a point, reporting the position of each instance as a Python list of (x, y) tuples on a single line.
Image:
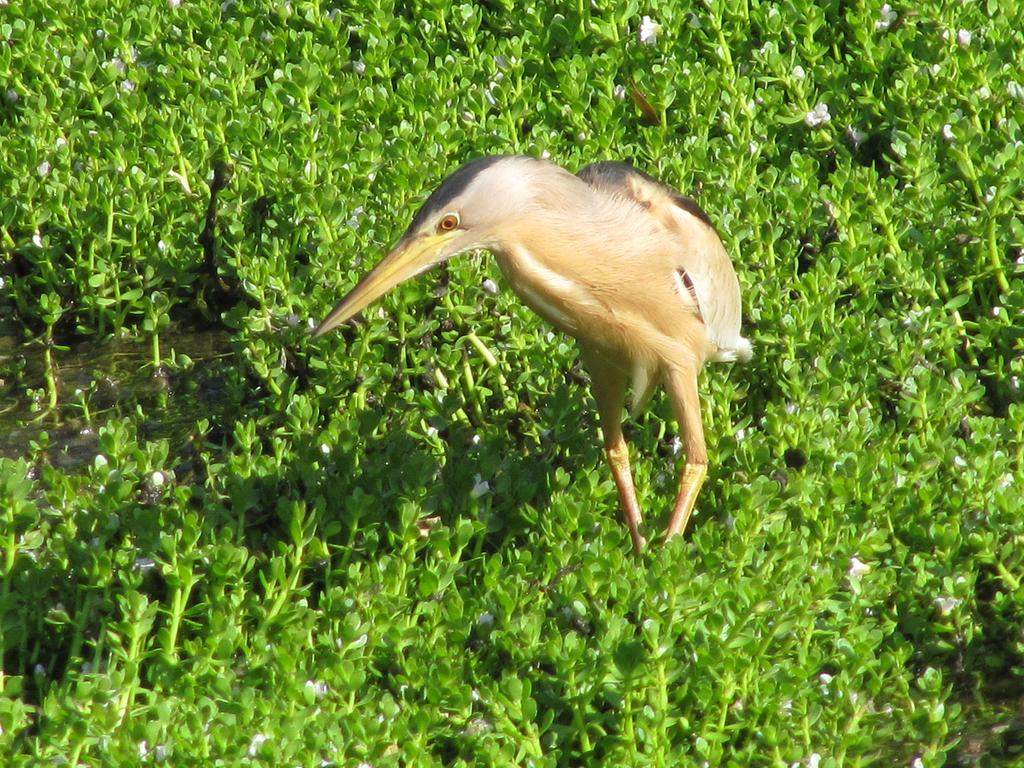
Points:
[(738, 352)]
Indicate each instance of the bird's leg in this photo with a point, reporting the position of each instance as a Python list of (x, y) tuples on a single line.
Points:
[(682, 388), (618, 459), (609, 385)]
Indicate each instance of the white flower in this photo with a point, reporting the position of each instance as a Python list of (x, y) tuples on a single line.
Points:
[(256, 743), (814, 760), (12, 96), (485, 619), (127, 86), (44, 168), (620, 91), (818, 116), (947, 132), (857, 568), (798, 72), (318, 688), (1016, 90), (480, 488), (359, 66), (490, 286), (649, 31), (888, 16), (963, 37), (917, 763), (856, 135), (357, 214), (157, 479), (946, 605), (37, 239), (172, 4)]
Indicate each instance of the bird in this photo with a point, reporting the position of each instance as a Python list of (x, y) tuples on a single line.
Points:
[(631, 268)]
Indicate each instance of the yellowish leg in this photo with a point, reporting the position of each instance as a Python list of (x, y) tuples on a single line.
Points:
[(682, 388), (609, 385), (689, 486), (618, 460)]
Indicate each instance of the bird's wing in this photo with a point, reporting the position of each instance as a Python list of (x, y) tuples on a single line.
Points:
[(704, 273)]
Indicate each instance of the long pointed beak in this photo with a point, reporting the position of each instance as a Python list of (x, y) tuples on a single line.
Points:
[(410, 257)]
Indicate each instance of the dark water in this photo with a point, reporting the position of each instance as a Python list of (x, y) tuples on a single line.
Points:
[(992, 735), (95, 381)]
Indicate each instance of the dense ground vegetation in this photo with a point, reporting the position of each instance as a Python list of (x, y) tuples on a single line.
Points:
[(398, 545)]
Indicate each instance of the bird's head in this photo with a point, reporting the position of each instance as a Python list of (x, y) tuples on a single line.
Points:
[(462, 214)]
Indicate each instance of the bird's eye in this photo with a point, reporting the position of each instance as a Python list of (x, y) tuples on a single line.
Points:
[(449, 222)]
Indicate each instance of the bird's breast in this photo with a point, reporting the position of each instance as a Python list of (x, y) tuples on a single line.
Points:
[(564, 300), (625, 306), (544, 291), (573, 303)]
